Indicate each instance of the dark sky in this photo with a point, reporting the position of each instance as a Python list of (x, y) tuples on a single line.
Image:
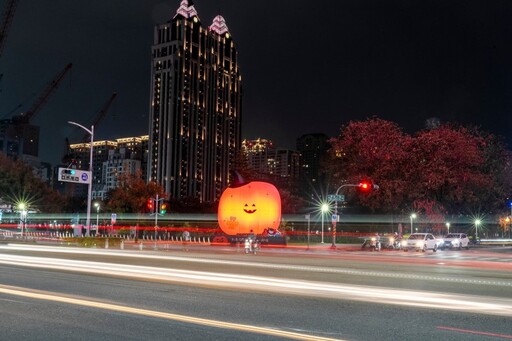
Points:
[(307, 66)]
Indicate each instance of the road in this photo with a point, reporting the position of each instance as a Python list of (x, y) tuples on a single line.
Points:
[(223, 294)]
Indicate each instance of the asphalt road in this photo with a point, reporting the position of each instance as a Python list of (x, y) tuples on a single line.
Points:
[(223, 294)]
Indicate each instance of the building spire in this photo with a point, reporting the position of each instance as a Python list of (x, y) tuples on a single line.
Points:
[(186, 10), (219, 25)]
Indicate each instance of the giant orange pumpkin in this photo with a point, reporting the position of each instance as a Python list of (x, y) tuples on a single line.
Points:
[(253, 206)]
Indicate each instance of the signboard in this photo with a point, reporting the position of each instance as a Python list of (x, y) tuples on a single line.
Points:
[(335, 218), (113, 218), (74, 175), (336, 197)]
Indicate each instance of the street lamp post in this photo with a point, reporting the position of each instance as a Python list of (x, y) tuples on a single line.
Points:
[(507, 227), (22, 207), (510, 227), (477, 222), (97, 205), (89, 193), (448, 228), (324, 208), (157, 205), (413, 216), (308, 217)]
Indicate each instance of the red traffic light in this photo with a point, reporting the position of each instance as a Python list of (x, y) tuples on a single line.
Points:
[(368, 186), (150, 204)]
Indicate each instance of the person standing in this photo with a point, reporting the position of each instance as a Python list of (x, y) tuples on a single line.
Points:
[(186, 239)]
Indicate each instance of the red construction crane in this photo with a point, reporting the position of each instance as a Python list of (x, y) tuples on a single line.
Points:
[(6, 22), (45, 96)]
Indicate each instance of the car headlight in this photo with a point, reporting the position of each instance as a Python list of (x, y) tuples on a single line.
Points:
[(419, 244), (391, 240), (440, 241), (373, 239), (455, 241), (404, 242)]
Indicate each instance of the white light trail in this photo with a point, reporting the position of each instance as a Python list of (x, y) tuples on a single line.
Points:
[(445, 301), (275, 266)]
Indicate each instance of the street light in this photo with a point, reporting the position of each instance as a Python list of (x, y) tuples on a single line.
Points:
[(448, 227), (413, 216), (308, 217), (323, 208), (89, 193), (97, 205), (477, 222), (507, 226), (22, 207)]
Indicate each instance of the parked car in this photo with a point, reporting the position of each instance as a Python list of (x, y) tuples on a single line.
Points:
[(420, 241), (455, 241)]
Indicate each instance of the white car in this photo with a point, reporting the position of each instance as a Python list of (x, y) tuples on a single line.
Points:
[(420, 241), (455, 241)]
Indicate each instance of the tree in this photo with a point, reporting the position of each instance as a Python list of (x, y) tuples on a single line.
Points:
[(450, 172), (445, 169), (374, 149), (132, 194), (19, 184)]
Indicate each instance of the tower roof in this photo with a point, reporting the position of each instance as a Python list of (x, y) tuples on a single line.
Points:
[(186, 10), (219, 25)]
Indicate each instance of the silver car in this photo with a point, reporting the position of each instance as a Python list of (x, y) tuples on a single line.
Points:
[(455, 241), (420, 241)]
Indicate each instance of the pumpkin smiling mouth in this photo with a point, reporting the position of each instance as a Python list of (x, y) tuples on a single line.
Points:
[(247, 210)]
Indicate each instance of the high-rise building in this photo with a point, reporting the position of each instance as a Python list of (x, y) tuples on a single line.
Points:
[(110, 160), (313, 149), (257, 152), (195, 106), (279, 165)]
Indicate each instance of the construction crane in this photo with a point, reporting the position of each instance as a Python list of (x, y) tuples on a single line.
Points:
[(103, 111), (70, 157), (43, 98), (10, 7), (6, 22)]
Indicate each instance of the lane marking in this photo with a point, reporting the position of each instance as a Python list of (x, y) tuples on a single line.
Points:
[(47, 296), (475, 332)]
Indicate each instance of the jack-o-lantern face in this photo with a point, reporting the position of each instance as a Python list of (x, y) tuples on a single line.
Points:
[(254, 206)]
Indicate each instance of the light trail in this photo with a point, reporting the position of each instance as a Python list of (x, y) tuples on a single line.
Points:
[(9, 290), (475, 332), (422, 299), (275, 266)]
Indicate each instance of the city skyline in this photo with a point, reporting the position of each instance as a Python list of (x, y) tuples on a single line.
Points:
[(307, 68)]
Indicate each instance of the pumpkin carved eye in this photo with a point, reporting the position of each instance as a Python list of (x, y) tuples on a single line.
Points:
[(250, 210)]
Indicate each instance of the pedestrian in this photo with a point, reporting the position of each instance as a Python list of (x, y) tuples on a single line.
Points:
[(186, 239)]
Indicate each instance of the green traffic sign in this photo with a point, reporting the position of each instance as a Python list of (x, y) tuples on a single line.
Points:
[(336, 197)]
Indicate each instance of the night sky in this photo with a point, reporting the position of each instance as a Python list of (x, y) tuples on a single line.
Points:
[(307, 66)]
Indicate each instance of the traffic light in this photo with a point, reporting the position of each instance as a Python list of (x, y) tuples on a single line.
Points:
[(163, 208), (367, 186), (150, 205), (69, 171)]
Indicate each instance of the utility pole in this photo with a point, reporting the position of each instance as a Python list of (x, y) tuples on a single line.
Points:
[(156, 213)]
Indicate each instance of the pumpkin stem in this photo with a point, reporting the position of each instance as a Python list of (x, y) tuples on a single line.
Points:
[(237, 179)]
